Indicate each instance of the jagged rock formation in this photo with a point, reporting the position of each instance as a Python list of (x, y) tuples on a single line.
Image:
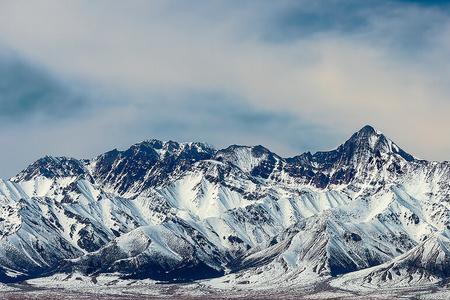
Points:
[(172, 211)]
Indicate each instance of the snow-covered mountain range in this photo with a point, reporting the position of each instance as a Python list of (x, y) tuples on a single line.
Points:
[(366, 213)]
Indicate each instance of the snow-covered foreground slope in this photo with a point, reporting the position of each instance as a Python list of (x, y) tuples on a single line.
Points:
[(366, 213)]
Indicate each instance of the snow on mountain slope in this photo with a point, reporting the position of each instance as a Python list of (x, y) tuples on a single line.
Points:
[(174, 211), (170, 251), (428, 262), (255, 160)]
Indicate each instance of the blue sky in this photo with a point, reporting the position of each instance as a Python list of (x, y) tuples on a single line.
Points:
[(80, 78)]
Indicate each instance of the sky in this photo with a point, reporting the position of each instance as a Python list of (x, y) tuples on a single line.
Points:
[(78, 78)]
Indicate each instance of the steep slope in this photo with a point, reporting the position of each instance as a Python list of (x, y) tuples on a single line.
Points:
[(146, 164), (172, 251), (428, 262), (368, 157)]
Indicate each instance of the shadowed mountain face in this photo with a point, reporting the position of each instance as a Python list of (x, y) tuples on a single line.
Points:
[(185, 211)]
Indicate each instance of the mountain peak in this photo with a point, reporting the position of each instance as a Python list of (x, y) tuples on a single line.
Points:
[(368, 129), (360, 148), (370, 140), (370, 135), (51, 167)]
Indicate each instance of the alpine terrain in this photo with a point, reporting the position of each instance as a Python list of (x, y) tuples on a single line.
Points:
[(364, 214)]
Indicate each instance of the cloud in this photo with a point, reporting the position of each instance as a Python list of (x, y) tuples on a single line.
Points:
[(269, 71), (27, 91), (176, 117)]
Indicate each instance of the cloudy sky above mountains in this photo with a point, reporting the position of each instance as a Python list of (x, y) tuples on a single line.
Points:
[(81, 77)]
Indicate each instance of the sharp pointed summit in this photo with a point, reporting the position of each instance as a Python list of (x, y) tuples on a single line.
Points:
[(369, 141), (369, 129), (369, 136), (362, 147)]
